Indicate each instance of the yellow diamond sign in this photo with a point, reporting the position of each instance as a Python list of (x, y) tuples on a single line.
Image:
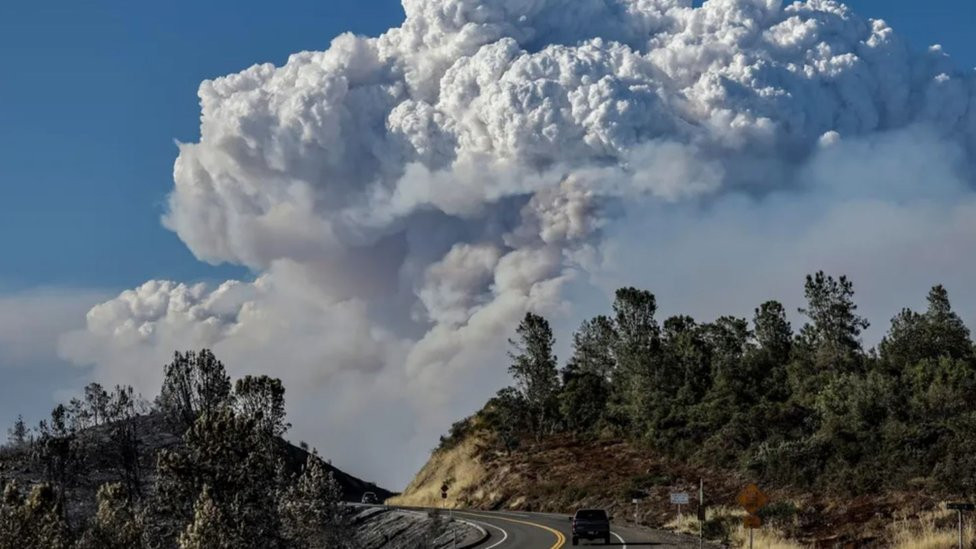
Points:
[(752, 499)]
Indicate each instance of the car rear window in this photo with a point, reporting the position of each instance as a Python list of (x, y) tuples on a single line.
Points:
[(591, 514)]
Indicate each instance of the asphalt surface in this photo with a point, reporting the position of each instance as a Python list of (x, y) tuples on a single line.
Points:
[(516, 530)]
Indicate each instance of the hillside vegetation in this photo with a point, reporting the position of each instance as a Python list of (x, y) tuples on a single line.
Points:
[(203, 466), (842, 437)]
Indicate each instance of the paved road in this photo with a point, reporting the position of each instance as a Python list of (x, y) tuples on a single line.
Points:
[(515, 530)]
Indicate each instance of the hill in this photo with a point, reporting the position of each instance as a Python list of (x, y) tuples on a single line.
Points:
[(204, 464), (847, 441), (561, 473), (154, 433)]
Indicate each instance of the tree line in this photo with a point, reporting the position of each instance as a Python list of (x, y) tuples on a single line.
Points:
[(808, 409), (226, 485)]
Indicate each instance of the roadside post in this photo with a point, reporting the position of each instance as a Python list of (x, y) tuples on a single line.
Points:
[(752, 499), (636, 503), (959, 507), (701, 513), (453, 530), (679, 499)]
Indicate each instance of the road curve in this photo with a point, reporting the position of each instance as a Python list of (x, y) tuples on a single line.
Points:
[(514, 531), (517, 530)]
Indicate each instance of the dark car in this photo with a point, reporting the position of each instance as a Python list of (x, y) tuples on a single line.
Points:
[(591, 524), (370, 497)]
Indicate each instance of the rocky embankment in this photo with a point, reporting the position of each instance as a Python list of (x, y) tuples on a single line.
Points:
[(391, 528)]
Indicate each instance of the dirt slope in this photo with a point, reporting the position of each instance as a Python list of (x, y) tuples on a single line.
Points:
[(459, 467), (560, 474)]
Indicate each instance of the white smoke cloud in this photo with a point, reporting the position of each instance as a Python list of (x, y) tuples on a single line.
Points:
[(407, 198)]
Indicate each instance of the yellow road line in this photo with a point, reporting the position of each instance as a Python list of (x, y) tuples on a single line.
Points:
[(560, 538)]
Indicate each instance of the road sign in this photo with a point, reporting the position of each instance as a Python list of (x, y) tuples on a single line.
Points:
[(959, 507), (679, 498), (751, 521), (443, 491), (752, 499)]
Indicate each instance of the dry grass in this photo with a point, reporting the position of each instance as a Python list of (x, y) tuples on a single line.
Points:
[(929, 530), (763, 538), (458, 467)]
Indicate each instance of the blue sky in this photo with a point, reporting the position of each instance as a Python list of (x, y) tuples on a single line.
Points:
[(94, 93)]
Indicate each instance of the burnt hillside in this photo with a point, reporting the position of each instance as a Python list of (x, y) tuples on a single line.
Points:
[(154, 433)]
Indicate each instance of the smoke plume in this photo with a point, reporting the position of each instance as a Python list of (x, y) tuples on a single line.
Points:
[(406, 198)]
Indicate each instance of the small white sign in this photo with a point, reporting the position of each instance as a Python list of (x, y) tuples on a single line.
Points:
[(679, 498)]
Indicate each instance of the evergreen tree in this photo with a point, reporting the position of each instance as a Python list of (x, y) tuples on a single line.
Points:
[(939, 332), (95, 406), (32, 522), (593, 346), (312, 513), (638, 378), (586, 378), (262, 399), (209, 528), (124, 448), (583, 401), (534, 369), (235, 459), (58, 451), (773, 333), (116, 524), (948, 336), (193, 384), (507, 416), (17, 434), (834, 331), (773, 349)]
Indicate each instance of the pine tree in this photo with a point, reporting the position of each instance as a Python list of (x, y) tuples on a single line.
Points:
[(593, 346), (11, 521), (238, 463), (312, 513), (116, 524), (947, 335), (937, 333), (262, 399), (638, 378), (32, 522), (834, 331), (534, 369), (124, 448), (17, 434), (772, 332), (95, 404), (587, 376), (193, 384), (209, 528)]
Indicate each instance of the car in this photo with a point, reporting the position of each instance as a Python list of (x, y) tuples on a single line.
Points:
[(591, 524), (370, 497)]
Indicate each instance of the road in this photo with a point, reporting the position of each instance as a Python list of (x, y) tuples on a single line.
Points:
[(515, 530)]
